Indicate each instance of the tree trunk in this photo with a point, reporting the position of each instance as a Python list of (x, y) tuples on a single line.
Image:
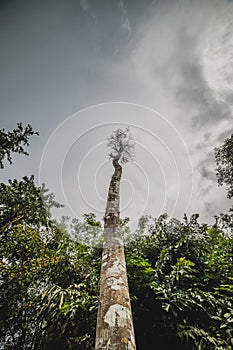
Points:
[(114, 329)]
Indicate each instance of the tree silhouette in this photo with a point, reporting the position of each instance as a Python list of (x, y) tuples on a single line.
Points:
[(121, 146), (224, 159), (14, 142)]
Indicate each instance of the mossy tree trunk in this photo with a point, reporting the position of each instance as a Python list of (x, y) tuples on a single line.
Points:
[(114, 329)]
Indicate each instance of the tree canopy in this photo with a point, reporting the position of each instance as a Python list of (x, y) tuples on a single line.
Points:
[(180, 276), (23, 202), (121, 146), (224, 159), (180, 280), (224, 173)]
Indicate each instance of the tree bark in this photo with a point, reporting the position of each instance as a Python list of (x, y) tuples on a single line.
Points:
[(114, 330)]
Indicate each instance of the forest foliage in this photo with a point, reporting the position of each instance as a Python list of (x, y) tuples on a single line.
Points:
[(180, 273)]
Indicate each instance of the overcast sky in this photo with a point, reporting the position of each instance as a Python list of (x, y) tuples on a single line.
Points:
[(76, 70)]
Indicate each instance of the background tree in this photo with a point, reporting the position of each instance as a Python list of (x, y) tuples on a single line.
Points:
[(177, 272), (48, 293), (224, 172), (180, 277), (224, 159), (14, 142), (24, 202), (88, 231)]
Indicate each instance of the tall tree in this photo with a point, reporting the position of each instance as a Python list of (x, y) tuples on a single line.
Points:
[(22, 202), (114, 320)]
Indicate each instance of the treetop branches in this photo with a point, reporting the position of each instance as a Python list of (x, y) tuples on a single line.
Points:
[(121, 145)]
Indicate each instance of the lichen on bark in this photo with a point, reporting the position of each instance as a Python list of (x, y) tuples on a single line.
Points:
[(114, 329)]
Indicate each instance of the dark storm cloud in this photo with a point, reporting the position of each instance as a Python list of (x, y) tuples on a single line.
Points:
[(176, 34), (197, 96), (192, 91), (51, 50), (207, 173), (84, 5), (61, 25)]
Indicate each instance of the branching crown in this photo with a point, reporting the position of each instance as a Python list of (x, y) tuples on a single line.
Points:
[(121, 146)]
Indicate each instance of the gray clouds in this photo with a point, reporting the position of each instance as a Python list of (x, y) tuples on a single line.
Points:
[(61, 56), (171, 55)]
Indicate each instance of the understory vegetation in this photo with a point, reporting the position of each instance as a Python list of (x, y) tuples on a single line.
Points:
[(180, 272)]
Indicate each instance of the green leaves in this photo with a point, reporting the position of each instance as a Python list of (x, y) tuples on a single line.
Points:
[(179, 273), (188, 291), (224, 159), (179, 279), (14, 142), (48, 290), (68, 300), (87, 231), (226, 288), (24, 202)]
